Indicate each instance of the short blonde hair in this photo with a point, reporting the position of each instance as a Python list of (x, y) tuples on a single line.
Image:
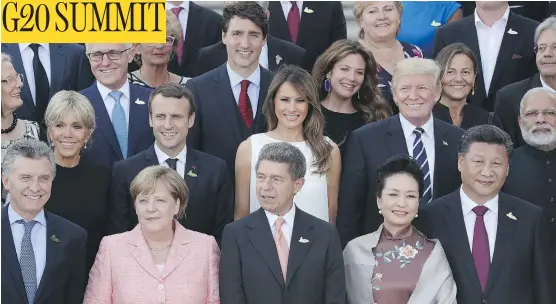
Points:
[(6, 57), (173, 29), (65, 102), (145, 182), (416, 66), (360, 6)]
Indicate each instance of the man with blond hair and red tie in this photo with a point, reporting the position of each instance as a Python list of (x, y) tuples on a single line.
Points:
[(281, 254)]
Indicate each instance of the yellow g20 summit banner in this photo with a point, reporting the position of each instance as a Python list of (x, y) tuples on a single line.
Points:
[(53, 21)]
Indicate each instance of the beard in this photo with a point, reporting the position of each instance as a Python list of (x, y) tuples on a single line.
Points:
[(543, 141)]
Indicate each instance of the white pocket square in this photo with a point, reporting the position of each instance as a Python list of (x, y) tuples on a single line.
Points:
[(510, 215), (139, 102), (308, 10), (302, 240), (512, 32)]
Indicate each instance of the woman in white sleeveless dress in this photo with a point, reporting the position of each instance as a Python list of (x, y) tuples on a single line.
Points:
[(294, 116)]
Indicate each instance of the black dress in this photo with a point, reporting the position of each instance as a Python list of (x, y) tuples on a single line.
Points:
[(473, 115), (80, 195), (339, 125)]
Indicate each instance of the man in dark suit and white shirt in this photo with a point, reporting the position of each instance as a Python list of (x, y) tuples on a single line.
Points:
[(313, 25), (230, 98), (497, 245), (532, 174), (122, 128), (211, 196), (509, 97), (275, 53), (43, 255), (280, 254), (415, 132), (502, 42)]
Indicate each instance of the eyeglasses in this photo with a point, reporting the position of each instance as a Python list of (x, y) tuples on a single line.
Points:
[(13, 79), (112, 55), (169, 42), (541, 48)]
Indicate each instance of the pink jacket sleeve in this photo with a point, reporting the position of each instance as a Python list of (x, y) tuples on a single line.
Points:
[(99, 288), (213, 296)]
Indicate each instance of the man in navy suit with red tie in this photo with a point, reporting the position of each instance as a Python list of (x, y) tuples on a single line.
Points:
[(229, 99)]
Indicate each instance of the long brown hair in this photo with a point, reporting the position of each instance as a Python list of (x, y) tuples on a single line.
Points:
[(313, 125), (369, 100)]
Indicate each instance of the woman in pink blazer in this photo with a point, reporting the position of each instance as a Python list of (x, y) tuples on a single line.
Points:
[(159, 261)]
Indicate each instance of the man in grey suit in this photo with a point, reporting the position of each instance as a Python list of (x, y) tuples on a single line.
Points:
[(280, 254)]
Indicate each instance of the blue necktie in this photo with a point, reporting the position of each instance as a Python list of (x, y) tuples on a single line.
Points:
[(119, 122), (27, 261), (420, 155)]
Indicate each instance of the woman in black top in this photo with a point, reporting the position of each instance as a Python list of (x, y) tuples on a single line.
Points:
[(348, 89), (459, 68), (80, 187)]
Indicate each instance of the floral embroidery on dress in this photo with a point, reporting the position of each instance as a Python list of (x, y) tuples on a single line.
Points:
[(404, 254), (376, 278)]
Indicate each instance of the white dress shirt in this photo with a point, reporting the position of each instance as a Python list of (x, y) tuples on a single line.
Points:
[(263, 58), (490, 39), (180, 164), (109, 102), (287, 227), (27, 59), (252, 90), (490, 218), (544, 85), (427, 138), (287, 6), (182, 16), (38, 238)]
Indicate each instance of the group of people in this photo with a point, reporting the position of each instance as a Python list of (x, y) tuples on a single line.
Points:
[(280, 162)]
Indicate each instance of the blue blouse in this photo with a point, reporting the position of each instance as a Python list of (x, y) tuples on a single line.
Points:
[(420, 20)]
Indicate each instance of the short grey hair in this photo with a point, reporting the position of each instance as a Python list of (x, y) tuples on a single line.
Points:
[(88, 45), (488, 134), (416, 66), (27, 148), (534, 92), (547, 24), (284, 153)]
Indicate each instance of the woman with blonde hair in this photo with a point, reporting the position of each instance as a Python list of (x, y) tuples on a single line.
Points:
[(348, 89), (380, 24), (294, 115), (153, 58)]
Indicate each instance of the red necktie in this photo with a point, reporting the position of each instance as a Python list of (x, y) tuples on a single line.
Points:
[(245, 104), (481, 250), (293, 21), (179, 50)]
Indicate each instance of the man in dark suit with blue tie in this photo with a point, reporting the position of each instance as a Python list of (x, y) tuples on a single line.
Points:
[(415, 132), (279, 253), (211, 195), (43, 255), (230, 98), (122, 128), (48, 68)]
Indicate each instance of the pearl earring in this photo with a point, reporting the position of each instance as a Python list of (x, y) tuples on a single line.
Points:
[(416, 215), (379, 211)]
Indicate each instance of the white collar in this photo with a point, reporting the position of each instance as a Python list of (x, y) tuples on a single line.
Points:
[(288, 217), (22, 46), (184, 4), (504, 17), (104, 91), (467, 204), (544, 85), (235, 78), (408, 127), (162, 157), (13, 216)]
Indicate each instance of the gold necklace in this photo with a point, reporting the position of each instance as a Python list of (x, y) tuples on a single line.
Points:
[(161, 248)]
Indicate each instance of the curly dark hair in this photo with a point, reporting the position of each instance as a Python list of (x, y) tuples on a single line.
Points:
[(250, 10)]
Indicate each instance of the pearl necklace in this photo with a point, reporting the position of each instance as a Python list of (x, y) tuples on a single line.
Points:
[(161, 248)]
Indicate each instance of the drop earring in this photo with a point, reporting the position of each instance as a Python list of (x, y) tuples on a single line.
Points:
[(416, 215), (358, 97), (379, 211), (327, 85)]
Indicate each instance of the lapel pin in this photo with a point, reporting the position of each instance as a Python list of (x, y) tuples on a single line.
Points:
[(278, 59), (54, 238), (434, 23), (139, 102), (444, 143), (512, 32), (302, 240), (510, 215), (308, 10), (191, 173)]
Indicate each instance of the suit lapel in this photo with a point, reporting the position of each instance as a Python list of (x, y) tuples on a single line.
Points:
[(261, 238), (10, 255), (395, 138), (136, 120), (509, 43), (456, 226), (504, 237), (279, 24), (266, 77), (272, 53), (17, 61), (227, 103), (469, 38), (104, 124), (140, 251), (179, 250), (192, 169), (53, 255), (57, 74), (307, 19), (193, 21), (440, 148), (298, 250)]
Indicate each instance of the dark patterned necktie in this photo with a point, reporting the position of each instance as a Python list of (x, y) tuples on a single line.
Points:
[(27, 261), (420, 155)]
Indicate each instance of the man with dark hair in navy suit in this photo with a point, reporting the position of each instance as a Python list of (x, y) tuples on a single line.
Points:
[(120, 107)]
